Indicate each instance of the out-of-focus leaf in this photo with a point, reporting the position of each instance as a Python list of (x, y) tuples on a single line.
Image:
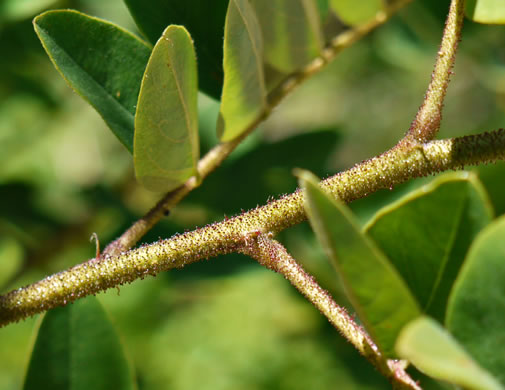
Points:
[(378, 293), (244, 93), (291, 32), (203, 19), (166, 147), (436, 353), (219, 337), (11, 258), (100, 61), (486, 11), (476, 309), (78, 348), (426, 235), (355, 12), (14, 10), (323, 6)]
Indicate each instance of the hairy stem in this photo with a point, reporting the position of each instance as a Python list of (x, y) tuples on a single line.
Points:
[(273, 255), (220, 152), (391, 168), (427, 121)]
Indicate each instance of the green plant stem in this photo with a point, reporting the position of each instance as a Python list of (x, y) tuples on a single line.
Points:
[(427, 121), (220, 152), (274, 256), (385, 171)]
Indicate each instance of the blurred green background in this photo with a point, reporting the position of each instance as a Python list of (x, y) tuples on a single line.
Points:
[(226, 323)]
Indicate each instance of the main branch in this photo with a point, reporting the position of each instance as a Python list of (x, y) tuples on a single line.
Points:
[(391, 168)]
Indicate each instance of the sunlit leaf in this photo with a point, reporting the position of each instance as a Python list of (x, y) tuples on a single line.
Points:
[(166, 146), (426, 235), (78, 348), (379, 295), (203, 19), (291, 32), (486, 11), (355, 12), (244, 94), (100, 61), (436, 353), (476, 310)]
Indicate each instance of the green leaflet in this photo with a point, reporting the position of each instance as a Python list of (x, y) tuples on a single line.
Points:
[(291, 31), (100, 61), (77, 348), (356, 12), (244, 93), (166, 148), (427, 233), (379, 295), (486, 11), (436, 353), (476, 310), (203, 19)]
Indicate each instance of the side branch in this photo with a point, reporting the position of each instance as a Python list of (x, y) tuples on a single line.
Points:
[(385, 171), (427, 121), (273, 255), (219, 153)]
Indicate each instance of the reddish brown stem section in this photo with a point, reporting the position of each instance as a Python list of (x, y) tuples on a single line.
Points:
[(427, 121), (274, 256)]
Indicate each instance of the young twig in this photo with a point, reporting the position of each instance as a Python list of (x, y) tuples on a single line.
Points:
[(427, 121), (274, 256)]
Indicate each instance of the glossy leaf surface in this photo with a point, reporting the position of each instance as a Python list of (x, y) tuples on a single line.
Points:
[(291, 32), (436, 353), (166, 146), (205, 22), (78, 348), (100, 61), (355, 12), (244, 93), (476, 311), (486, 11), (378, 293), (426, 235)]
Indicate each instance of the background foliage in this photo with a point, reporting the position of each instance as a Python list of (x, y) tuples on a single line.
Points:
[(63, 176)]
